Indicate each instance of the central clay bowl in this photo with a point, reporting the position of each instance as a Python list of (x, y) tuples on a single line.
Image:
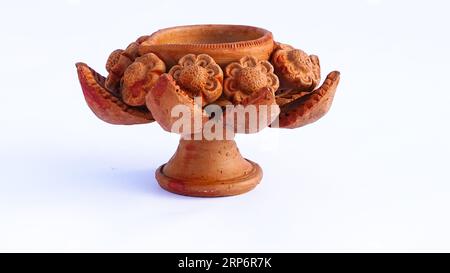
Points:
[(224, 43)]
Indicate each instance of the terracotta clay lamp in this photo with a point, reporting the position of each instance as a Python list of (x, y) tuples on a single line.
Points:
[(202, 66)]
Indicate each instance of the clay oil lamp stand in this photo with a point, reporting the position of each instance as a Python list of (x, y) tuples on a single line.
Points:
[(207, 70)]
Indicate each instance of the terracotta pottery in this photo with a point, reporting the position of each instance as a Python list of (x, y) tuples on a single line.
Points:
[(208, 168), (207, 83), (224, 43)]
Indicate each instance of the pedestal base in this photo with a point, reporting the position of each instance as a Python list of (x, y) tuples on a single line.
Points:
[(208, 169)]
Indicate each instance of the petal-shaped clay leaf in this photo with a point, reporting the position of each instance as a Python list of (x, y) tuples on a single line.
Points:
[(105, 105), (311, 107)]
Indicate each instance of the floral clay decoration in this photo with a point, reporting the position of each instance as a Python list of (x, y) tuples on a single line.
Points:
[(207, 83)]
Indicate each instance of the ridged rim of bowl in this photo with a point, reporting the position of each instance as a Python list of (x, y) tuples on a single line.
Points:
[(265, 37)]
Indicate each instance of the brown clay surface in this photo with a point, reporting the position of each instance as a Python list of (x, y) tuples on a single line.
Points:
[(224, 65), (104, 104), (208, 168), (311, 107), (224, 43)]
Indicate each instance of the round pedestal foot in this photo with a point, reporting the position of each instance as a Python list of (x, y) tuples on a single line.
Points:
[(215, 188)]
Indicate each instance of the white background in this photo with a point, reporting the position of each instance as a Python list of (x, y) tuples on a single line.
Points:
[(373, 175)]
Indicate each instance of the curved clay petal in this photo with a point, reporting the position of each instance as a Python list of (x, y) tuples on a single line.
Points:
[(203, 60), (106, 106), (213, 90), (273, 82), (164, 96), (153, 63), (249, 61), (214, 70), (142, 39), (311, 107), (268, 68), (113, 59), (132, 50), (282, 46), (232, 70), (188, 59), (134, 79), (262, 100), (115, 65), (140, 77), (230, 87), (175, 71), (287, 95)]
